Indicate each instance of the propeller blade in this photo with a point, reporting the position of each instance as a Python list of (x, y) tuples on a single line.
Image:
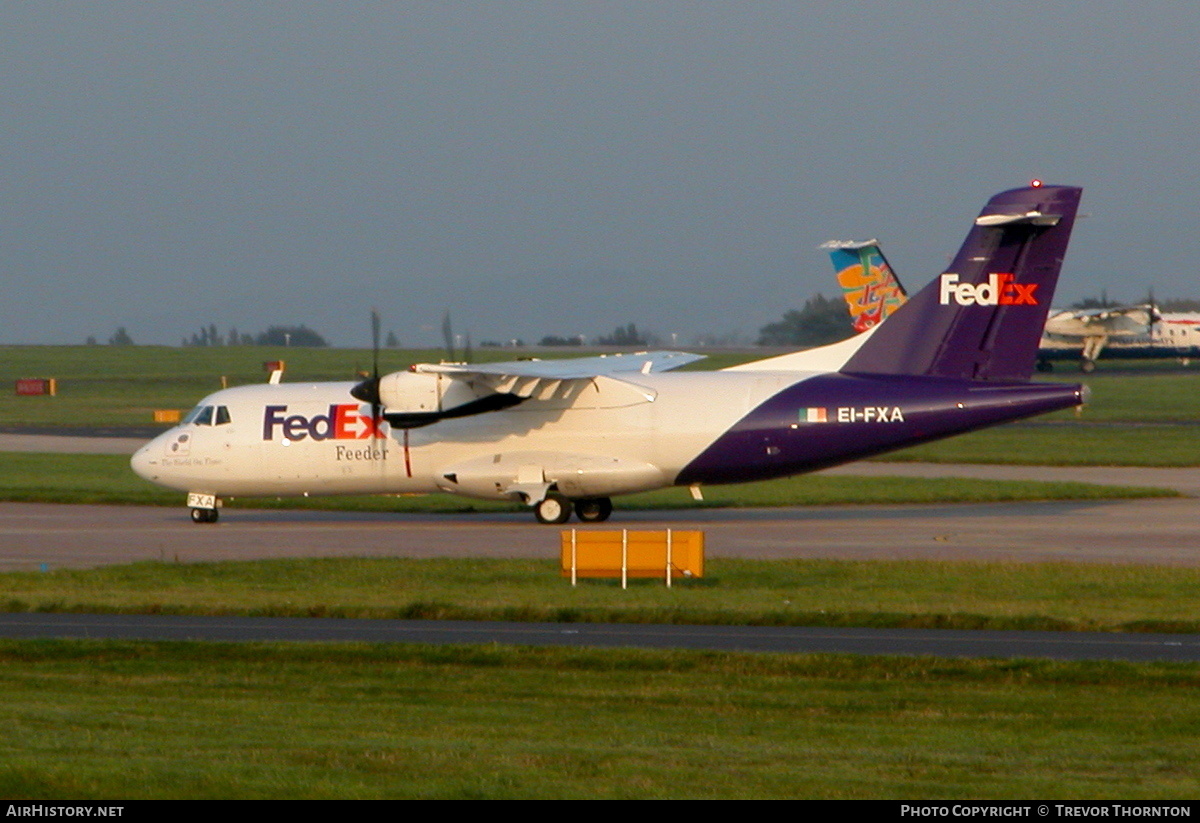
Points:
[(367, 391), (375, 342), (375, 410), (448, 337)]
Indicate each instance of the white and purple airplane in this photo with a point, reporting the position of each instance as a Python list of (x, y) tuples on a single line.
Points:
[(569, 435)]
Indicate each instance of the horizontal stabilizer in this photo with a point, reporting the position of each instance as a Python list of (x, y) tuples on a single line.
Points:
[(1033, 218)]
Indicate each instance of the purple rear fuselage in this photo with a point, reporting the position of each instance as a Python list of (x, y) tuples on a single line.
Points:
[(834, 418)]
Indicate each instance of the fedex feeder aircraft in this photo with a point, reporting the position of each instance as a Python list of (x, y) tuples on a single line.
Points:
[(569, 435)]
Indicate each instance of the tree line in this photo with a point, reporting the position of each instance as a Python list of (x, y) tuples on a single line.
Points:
[(300, 336)]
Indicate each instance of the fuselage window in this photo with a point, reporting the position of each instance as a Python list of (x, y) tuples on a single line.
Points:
[(222, 415)]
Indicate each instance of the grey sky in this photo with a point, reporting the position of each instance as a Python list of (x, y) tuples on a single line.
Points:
[(562, 168)]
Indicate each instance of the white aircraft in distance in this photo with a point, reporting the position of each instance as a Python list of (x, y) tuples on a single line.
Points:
[(1120, 331), (569, 435), (872, 292)]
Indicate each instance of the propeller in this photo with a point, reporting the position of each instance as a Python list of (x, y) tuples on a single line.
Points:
[(368, 390), (448, 337)]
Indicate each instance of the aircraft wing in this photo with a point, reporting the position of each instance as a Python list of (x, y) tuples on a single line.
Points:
[(547, 378), (583, 368), (429, 392), (1114, 322)]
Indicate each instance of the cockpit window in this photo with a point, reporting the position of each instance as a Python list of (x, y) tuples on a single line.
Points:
[(195, 415), (208, 416)]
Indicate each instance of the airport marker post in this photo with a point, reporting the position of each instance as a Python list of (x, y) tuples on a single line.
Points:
[(624, 558)]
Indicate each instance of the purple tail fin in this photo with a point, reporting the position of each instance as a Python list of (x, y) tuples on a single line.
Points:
[(982, 319)]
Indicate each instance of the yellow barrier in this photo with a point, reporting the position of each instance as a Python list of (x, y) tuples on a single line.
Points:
[(666, 554)]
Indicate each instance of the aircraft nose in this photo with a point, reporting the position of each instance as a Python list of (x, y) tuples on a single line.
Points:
[(143, 463)]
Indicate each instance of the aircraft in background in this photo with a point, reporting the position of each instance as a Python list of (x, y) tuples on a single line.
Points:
[(1141, 332), (567, 436), (869, 285), (872, 292)]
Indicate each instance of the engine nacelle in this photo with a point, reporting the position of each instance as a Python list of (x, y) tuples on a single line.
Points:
[(406, 392)]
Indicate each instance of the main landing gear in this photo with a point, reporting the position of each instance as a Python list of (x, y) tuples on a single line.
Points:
[(595, 510), (557, 509), (204, 515)]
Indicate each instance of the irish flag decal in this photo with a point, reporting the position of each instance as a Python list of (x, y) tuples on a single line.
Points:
[(813, 416)]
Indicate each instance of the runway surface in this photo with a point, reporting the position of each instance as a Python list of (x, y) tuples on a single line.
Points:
[(908, 642), (1157, 531), (68, 444)]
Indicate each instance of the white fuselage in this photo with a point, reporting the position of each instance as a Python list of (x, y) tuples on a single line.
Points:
[(609, 437)]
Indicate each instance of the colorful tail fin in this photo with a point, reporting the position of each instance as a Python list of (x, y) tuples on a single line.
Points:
[(983, 317), (870, 287)]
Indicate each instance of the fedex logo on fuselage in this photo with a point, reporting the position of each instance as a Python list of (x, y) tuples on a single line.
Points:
[(999, 290), (343, 422)]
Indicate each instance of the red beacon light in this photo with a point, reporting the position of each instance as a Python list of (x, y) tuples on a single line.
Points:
[(1037, 184)]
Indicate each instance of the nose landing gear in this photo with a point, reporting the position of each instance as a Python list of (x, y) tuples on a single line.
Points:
[(203, 506), (204, 515)]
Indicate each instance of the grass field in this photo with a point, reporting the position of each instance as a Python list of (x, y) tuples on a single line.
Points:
[(127, 720), (900, 594), (120, 386), (89, 720), (1065, 445)]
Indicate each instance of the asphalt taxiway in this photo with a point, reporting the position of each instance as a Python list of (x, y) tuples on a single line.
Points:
[(790, 639), (1158, 531)]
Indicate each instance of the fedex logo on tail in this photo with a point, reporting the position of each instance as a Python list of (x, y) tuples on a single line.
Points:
[(999, 290), (343, 422)]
